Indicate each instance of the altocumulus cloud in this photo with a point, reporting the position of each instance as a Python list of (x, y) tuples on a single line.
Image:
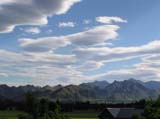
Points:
[(146, 70), (3, 75), (42, 67), (93, 36), (66, 24), (41, 62), (106, 54), (12, 58), (32, 30), (110, 20), (30, 12)]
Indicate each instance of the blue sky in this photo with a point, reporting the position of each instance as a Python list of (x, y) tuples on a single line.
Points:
[(69, 42)]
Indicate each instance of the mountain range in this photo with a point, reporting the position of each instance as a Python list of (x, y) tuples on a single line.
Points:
[(98, 91)]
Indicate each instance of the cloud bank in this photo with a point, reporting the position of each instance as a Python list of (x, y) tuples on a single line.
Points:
[(44, 59), (96, 35), (31, 12)]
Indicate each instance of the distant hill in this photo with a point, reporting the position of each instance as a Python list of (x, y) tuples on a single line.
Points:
[(155, 85), (98, 84), (98, 91), (152, 85), (129, 90)]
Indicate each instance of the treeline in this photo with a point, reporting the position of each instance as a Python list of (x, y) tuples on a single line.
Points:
[(35, 108), (65, 107), (151, 110), (80, 106), (69, 107), (41, 109)]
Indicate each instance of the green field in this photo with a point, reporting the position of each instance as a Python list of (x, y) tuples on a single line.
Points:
[(83, 115), (72, 115), (9, 114)]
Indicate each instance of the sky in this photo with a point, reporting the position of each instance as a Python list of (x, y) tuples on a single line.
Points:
[(50, 42)]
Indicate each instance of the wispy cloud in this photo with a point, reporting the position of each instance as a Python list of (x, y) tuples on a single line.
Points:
[(86, 21), (66, 24), (32, 30), (110, 20), (106, 54), (69, 58), (3, 75), (45, 65), (96, 35)]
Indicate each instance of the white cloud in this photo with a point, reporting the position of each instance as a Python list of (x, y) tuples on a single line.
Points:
[(96, 35), (42, 68), (66, 24), (3, 75), (52, 69), (43, 44), (105, 54), (40, 60), (12, 58), (146, 70), (32, 12), (50, 31), (5, 1), (154, 58), (32, 30), (9, 57), (39, 67), (54, 59), (110, 20), (143, 74), (150, 61), (90, 66), (86, 21)]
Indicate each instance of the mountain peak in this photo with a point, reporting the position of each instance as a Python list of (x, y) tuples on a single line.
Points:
[(99, 84), (121, 91)]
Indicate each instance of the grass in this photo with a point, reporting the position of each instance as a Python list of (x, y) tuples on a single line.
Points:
[(72, 115), (83, 115), (10, 114)]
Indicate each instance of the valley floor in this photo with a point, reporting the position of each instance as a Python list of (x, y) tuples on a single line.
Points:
[(10, 114), (72, 115), (83, 115)]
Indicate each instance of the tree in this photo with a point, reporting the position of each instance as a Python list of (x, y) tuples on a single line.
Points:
[(39, 109), (32, 105), (135, 117), (44, 108)]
